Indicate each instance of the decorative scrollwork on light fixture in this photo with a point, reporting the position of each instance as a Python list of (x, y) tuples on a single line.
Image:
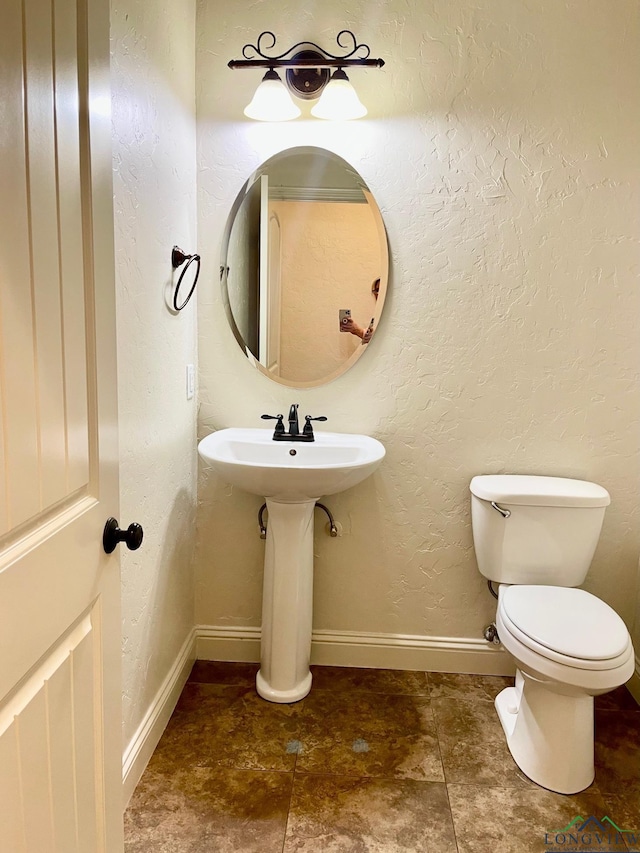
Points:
[(262, 59)]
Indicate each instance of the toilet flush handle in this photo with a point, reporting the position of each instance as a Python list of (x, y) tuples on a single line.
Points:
[(505, 513)]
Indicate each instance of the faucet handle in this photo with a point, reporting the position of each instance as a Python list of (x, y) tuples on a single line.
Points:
[(308, 429), (279, 430)]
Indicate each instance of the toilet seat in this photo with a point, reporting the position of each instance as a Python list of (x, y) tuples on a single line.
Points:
[(565, 625)]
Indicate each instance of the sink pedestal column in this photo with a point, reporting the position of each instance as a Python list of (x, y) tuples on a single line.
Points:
[(287, 602)]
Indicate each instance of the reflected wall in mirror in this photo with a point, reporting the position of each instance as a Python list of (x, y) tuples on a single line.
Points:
[(304, 267)]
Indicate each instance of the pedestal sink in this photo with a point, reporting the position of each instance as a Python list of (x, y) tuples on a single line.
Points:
[(291, 476)]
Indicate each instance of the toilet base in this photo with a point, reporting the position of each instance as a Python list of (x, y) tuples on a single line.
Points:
[(549, 735)]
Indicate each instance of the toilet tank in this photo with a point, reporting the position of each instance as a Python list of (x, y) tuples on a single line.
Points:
[(550, 534)]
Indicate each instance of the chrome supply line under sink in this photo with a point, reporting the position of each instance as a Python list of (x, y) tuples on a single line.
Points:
[(333, 528)]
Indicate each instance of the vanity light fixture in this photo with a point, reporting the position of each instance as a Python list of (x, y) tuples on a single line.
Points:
[(307, 76)]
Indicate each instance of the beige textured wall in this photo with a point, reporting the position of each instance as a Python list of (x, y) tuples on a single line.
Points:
[(501, 146), (321, 273), (155, 208)]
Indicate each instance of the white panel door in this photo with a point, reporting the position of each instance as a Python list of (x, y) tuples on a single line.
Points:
[(274, 295), (263, 284), (60, 743)]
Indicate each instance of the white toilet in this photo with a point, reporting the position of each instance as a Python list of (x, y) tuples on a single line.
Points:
[(540, 534)]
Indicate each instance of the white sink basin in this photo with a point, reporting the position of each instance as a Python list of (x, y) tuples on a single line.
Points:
[(291, 471)]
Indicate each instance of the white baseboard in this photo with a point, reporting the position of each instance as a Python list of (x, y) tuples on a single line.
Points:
[(353, 648), (141, 746), (227, 643), (634, 684)]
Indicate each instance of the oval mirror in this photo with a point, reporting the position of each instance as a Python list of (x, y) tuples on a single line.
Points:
[(304, 267)]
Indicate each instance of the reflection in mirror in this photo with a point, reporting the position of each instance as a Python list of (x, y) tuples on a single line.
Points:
[(304, 267)]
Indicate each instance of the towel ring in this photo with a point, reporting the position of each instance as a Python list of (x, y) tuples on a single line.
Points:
[(178, 257)]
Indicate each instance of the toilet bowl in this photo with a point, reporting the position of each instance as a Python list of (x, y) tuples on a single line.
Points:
[(535, 537), (562, 661)]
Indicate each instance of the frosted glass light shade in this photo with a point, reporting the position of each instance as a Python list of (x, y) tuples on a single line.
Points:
[(339, 101), (271, 101)]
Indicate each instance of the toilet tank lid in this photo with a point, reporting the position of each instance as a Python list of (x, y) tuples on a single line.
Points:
[(534, 490)]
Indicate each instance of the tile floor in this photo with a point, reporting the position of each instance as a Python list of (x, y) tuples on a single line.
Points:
[(371, 760)]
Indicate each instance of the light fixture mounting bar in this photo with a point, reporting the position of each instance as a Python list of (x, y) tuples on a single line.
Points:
[(304, 63)]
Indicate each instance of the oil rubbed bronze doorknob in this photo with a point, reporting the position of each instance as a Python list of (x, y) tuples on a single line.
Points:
[(132, 536)]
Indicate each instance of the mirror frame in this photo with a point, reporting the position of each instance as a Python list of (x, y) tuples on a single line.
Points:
[(224, 269)]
